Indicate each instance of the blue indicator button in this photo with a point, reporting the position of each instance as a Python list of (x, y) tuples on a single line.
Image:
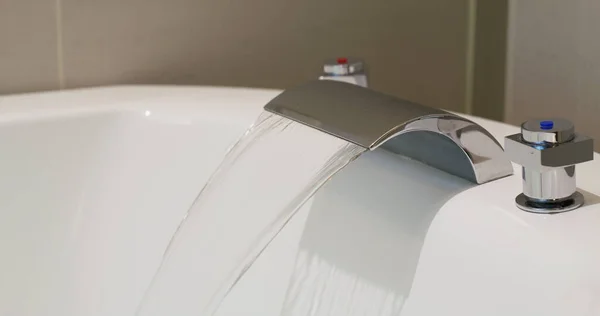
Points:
[(546, 124)]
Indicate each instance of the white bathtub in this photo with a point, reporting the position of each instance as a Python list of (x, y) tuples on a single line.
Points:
[(94, 182)]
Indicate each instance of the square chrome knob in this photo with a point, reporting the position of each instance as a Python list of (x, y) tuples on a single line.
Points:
[(548, 151)]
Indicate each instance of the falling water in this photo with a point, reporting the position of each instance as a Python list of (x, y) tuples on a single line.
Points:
[(265, 178), (365, 264)]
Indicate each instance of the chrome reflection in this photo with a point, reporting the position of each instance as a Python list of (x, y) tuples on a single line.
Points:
[(483, 155)]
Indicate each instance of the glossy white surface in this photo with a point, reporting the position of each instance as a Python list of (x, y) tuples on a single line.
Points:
[(94, 182), (92, 185)]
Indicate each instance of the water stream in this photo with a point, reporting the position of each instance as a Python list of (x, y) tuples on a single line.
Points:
[(264, 179), (361, 243)]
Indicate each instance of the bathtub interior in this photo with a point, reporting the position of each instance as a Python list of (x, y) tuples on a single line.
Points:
[(89, 198), (90, 201)]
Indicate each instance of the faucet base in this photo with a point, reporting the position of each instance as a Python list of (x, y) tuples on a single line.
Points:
[(549, 206)]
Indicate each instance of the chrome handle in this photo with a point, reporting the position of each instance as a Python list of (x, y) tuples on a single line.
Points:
[(548, 151), (349, 70)]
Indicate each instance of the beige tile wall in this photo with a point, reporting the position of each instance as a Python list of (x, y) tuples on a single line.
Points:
[(28, 46), (490, 59), (415, 49), (554, 62)]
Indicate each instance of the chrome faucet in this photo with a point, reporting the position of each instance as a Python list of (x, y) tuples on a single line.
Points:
[(350, 70), (373, 120)]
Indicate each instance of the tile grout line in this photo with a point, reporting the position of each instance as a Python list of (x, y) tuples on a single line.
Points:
[(509, 71), (59, 45), (470, 55)]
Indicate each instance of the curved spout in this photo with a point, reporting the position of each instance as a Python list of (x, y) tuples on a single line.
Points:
[(370, 119)]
